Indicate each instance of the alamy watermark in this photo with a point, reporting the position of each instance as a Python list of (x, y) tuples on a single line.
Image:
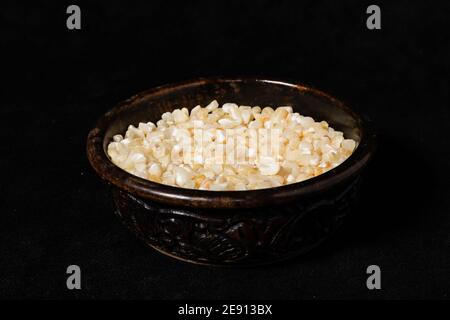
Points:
[(73, 21), (374, 280), (374, 20), (74, 280), (230, 146)]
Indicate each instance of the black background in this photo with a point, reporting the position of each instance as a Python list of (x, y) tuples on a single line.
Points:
[(56, 212)]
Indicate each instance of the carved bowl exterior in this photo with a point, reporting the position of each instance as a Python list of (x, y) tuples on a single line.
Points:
[(233, 227)]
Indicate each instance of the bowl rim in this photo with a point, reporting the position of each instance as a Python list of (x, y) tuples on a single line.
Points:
[(195, 198)]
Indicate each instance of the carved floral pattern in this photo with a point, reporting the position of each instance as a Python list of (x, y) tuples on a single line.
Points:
[(233, 237)]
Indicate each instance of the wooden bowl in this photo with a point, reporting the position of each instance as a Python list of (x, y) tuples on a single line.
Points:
[(233, 227)]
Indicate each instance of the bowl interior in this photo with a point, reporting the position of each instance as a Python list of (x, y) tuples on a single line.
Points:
[(150, 105)]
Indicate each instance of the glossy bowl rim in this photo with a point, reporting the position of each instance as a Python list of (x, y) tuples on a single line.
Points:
[(194, 198)]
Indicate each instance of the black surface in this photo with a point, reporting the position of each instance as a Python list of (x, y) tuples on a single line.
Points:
[(56, 212)]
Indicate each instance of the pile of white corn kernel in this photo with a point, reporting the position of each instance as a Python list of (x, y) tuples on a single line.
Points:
[(304, 149)]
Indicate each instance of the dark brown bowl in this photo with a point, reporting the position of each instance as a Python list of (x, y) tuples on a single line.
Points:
[(233, 227)]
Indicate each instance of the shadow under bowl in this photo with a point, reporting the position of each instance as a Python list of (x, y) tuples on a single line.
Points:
[(233, 227)]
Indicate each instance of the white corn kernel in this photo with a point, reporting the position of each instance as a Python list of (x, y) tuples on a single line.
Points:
[(168, 152)]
